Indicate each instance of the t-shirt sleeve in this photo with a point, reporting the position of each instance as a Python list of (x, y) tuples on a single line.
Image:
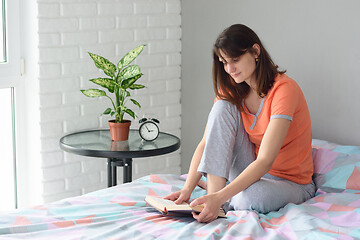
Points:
[(285, 101)]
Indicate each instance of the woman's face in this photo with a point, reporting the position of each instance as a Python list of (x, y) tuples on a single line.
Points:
[(242, 68)]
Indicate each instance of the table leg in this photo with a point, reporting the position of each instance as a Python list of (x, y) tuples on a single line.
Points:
[(114, 175), (126, 163), (127, 170), (109, 175)]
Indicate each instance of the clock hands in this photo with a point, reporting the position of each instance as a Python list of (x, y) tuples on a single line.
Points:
[(148, 129)]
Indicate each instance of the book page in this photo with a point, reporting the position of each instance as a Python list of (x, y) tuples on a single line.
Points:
[(162, 202), (166, 205)]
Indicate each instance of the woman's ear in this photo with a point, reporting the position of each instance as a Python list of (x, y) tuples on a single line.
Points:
[(257, 49)]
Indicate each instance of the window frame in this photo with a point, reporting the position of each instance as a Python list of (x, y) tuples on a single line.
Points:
[(10, 70)]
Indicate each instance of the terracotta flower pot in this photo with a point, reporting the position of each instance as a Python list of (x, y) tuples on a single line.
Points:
[(119, 131)]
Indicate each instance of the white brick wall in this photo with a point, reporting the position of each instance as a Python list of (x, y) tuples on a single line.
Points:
[(68, 29)]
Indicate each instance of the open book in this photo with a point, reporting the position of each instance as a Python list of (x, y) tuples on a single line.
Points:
[(169, 207)]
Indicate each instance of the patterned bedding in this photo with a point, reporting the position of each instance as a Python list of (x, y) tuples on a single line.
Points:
[(121, 213)]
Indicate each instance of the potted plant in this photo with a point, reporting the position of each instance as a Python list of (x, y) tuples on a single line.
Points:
[(121, 79)]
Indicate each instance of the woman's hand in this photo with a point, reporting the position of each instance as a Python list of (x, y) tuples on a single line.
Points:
[(212, 204), (180, 196)]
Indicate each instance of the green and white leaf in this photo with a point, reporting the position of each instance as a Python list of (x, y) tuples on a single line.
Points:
[(136, 86), (130, 81), (130, 56), (107, 83), (129, 72), (130, 112), (135, 102), (93, 93), (104, 64), (107, 111)]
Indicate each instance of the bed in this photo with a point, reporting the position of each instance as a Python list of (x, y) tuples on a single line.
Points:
[(120, 212)]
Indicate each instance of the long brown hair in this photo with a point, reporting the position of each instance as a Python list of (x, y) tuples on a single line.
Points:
[(235, 41)]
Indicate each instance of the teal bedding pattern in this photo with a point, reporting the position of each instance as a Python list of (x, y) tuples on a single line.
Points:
[(120, 212)]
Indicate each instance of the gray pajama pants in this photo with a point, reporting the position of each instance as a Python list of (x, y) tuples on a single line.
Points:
[(228, 151)]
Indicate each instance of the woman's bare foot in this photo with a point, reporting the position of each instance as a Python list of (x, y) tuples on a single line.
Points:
[(202, 184)]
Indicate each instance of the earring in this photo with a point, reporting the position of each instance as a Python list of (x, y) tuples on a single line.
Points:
[(257, 59)]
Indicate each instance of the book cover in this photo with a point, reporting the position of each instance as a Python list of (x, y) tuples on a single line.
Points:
[(169, 207)]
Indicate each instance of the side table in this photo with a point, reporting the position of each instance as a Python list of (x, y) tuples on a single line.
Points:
[(97, 143)]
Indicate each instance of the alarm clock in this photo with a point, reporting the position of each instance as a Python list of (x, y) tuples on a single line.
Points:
[(149, 129)]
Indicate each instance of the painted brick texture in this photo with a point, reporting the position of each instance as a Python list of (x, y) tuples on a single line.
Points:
[(68, 29)]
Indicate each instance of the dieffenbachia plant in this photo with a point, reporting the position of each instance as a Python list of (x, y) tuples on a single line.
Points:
[(121, 78)]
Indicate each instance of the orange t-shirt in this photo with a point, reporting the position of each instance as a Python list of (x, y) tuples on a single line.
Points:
[(285, 100)]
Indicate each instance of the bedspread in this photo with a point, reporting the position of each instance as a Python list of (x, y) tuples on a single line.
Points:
[(120, 212)]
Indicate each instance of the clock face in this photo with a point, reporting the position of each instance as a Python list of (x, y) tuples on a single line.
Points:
[(149, 131)]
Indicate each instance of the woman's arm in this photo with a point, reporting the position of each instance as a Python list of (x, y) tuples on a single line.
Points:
[(269, 149), (193, 176)]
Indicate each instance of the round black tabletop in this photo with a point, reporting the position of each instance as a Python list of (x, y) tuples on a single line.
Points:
[(97, 143)]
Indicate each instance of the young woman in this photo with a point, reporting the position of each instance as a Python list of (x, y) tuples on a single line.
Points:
[(258, 135)]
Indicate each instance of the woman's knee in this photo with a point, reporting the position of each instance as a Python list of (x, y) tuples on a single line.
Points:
[(224, 112), (224, 107)]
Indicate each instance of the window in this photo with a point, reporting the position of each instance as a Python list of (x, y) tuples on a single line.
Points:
[(9, 81), (7, 164)]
